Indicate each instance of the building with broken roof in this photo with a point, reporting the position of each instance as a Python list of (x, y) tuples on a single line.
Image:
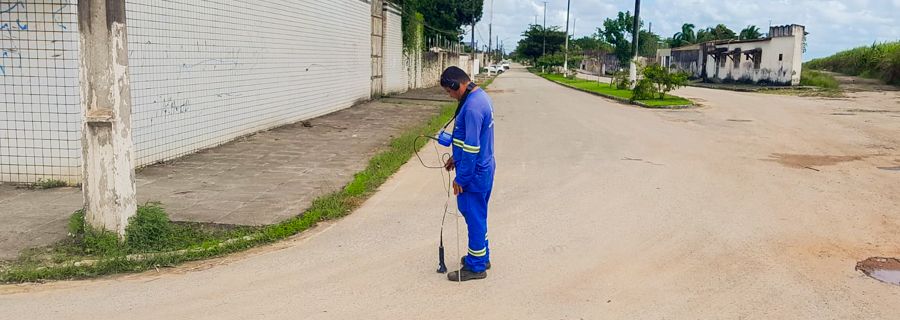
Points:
[(773, 60)]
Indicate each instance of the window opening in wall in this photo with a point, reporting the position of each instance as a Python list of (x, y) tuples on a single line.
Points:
[(780, 57)]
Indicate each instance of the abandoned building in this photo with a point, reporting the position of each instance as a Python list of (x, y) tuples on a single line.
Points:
[(773, 60)]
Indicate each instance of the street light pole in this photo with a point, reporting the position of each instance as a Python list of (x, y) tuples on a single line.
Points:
[(566, 54), (634, 41)]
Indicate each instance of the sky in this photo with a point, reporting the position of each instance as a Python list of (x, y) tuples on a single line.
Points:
[(833, 25)]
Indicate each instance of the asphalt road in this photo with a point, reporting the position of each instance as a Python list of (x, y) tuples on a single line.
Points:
[(751, 207)]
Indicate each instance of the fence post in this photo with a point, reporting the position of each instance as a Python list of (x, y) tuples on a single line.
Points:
[(108, 150)]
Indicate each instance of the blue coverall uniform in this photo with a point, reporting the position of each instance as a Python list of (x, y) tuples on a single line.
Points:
[(473, 155)]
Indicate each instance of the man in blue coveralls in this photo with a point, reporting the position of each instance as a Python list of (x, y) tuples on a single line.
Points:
[(473, 159)]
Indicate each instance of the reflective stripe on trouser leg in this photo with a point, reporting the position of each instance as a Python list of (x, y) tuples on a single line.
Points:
[(473, 206)]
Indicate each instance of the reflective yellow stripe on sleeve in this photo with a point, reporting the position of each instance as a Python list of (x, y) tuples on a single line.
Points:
[(465, 147)]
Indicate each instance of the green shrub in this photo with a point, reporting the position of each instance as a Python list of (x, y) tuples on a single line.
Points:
[(149, 230), (644, 90), (620, 79), (878, 61), (76, 224), (664, 81), (817, 79)]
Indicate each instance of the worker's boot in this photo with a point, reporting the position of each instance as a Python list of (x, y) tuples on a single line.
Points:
[(462, 261), (466, 275)]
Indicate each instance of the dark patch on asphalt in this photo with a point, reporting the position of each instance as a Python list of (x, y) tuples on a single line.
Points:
[(897, 168), (805, 161), (740, 120), (872, 110), (843, 114), (886, 270), (641, 160)]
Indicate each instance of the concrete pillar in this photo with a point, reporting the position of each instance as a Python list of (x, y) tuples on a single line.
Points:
[(108, 151)]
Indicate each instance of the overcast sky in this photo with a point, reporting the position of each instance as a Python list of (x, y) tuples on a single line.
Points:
[(834, 25)]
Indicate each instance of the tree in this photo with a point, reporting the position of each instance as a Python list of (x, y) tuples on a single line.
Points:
[(685, 37), (444, 17), (751, 32), (531, 46), (617, 32), (719, 32), (589, 43), (648, 42)]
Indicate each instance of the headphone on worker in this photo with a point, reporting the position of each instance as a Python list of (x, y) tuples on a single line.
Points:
[(444, 138)]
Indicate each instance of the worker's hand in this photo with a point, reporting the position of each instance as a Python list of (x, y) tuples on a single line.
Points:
[(450, 165), (457, 189)]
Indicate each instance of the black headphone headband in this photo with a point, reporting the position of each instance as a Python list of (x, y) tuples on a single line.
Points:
[(450, 83)]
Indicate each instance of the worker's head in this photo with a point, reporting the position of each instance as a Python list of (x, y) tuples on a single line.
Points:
[(454, 80)]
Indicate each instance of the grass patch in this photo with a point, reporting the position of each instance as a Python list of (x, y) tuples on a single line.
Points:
[(817, 79), (611, 90), (49, 184), (153, 241)]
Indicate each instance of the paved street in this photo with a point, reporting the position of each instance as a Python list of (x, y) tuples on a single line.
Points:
[(752, 206)]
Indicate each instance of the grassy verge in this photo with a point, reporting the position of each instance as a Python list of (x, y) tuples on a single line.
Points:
[(817, 79), (610, 90), (153, 241)]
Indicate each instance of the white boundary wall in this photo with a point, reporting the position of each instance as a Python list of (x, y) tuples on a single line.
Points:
[(395, 74), (204, 73)]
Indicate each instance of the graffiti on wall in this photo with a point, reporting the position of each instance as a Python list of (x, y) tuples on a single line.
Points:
[(16, 24)]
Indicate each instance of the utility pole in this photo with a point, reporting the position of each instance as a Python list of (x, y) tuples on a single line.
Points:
[(574, 22), (634, 41), (566, 54), (544, 51), (107, 146), (490, 28), (474, 48)]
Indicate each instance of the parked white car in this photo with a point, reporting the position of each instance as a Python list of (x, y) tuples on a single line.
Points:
[(497, 69), (505, 65)]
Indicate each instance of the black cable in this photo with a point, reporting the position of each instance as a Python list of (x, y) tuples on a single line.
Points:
[(442, 266)]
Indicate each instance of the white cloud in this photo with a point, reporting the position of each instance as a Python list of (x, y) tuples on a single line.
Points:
[(833, 25)]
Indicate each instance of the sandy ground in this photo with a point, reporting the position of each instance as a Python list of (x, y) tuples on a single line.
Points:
[(752, 206)]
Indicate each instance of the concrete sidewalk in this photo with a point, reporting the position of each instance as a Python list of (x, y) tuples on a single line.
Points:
[(255, 180)]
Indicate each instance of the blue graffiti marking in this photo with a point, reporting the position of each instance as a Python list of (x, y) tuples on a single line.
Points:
[(57, 14), (19, 3), (2, 71), (21, 26), (5, 26)]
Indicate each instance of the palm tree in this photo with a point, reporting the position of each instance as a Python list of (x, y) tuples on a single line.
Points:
[(751, 32), (686, 36)]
